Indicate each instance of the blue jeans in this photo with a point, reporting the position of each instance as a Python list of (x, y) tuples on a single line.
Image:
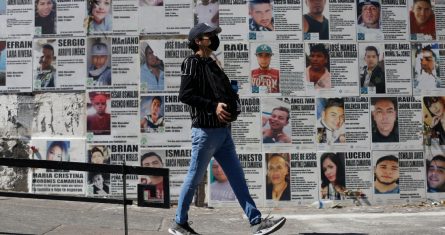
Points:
[(216, 142)]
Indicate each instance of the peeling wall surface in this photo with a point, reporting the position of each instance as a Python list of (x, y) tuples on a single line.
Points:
[(41, 115), (8, 116), (59, 114), (14, 178)]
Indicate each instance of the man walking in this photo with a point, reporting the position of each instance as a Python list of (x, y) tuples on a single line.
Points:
[(211, 135)]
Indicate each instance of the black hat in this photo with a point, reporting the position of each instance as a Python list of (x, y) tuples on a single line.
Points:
[(202, 28)]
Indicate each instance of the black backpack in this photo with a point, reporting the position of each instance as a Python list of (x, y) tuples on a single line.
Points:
[(224, 94)]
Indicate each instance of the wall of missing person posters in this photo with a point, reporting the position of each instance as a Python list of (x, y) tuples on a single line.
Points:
[(338, 97)]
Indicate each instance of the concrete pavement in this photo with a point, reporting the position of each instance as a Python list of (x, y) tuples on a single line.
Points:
[(34, 216)]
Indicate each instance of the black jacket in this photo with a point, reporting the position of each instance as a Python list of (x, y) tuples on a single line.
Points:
[(377, 79), (392, 137), (197, 92)]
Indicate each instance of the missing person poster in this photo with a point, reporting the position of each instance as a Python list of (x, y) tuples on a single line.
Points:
[(98, 183), (233, 57), (328, 20), (20, 18), (265, 69), (426, 68), (384, 69), (105, 17), (358, 169), (160, 64), (331, 69), (125, 16), (398, 176), (176, 15), (424, 20), (112, 62), (278, 179), (154, 159), (234, 20), (340, 123), (344, 174), (433, 108), (221, 193), (396, 123), (59, 64), (277, 125), (54, 181), (206, 11), (99, 73), (112, 116), (435, 173), (304, 177), (15, 66), (119, 154), (394, 20), (164, 122), (316, 20), (274, 20), (59, 18), (288, 123), (292, 60), (178, 162), (302, 113), (277, 69), (108, 184), (252, 164), (379, 20), (245, 132), (124, 62)]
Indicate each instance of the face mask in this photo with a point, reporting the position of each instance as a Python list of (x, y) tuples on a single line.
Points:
[(214, 43)]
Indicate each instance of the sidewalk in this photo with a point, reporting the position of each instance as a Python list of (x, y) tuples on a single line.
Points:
[(33, 216)]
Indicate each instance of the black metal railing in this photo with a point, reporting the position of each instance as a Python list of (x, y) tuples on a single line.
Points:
[(100, 168)]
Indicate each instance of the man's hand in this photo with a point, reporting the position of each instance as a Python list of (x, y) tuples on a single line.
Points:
[(222, 114)]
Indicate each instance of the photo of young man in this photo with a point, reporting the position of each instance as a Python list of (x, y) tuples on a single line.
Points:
[(46, 72), (368, 20), (317, 70), (426, 72), (264, 78), (422, 20), (372, 76), (152, 112), (153, 159), (261, 15), (274, 125), (99, 118), (436, 174), (384, 120), (386, 175), (99, 70), (314, 21), (330, 124)]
